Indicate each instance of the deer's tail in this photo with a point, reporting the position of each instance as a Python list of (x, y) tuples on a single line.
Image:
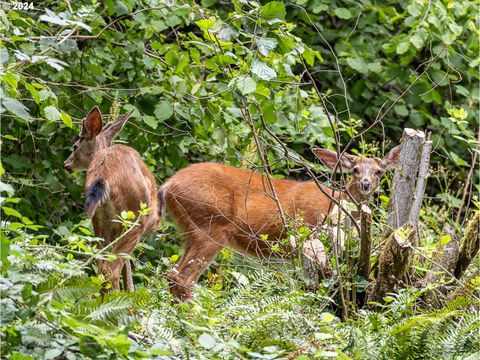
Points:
[(97, 193)]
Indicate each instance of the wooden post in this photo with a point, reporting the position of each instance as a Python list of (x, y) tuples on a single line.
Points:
[(410, 178)]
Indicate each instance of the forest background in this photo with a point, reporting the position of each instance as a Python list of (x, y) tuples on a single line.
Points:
[(202, 79)]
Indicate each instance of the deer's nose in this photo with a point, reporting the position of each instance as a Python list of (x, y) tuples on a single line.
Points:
[(66, 166), (365, 185)]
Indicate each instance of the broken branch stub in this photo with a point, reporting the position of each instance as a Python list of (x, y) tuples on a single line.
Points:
[(409, 179)]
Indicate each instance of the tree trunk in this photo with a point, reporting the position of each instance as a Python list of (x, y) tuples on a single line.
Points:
[(410, 178)]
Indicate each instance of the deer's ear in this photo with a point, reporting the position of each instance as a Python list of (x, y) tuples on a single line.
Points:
[(112, 129), (330, 159), (390, 160), (92, 125)]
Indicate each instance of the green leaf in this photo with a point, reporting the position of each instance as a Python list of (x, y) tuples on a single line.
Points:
[(4, 248), (445, 239), (456, 29), (262, 70), (327, 317), (53, 18), (308, 55), (358, 64), (16, 108), (67, 120), (419, 38), (402, 48), (52, 113), (11, 212), (401, 110), (3, 55), (375, 67), (33, 92), (343, 13), (205, 24), (246, 85), (150, 121), (163, 110), (448, 38), (207, 341), (273, 11), (458, 160), (52, 354), (266, 45), (227, 33)]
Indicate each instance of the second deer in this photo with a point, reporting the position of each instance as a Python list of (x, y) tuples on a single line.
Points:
[(215, 206), (117, 180)]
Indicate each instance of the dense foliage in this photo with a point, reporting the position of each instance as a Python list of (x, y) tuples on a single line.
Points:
[(225, 81)]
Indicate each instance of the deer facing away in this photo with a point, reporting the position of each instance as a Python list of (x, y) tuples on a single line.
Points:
[(215, 206), (117, 180)]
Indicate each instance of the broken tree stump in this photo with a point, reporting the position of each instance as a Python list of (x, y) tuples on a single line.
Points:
[(394, 261), (445, 257), (444, 261), (468, 245), (409, 179), (408, 188)]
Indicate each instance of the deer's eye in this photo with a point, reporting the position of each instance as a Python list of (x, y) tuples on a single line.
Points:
[(378, 173), (75, 147), (356, 171)]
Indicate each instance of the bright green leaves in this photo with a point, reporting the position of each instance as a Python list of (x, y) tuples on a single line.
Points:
[(245, 84), (458, 113), (16, 108), (402, 47), (419, 37), (343, 13), (273, 12), (358, 64), (266, 45), (67, 120), (51, 113), (163, 110), (262, 70)]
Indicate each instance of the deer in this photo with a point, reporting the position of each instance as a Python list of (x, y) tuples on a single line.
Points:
[(216, 206), (117, 180)]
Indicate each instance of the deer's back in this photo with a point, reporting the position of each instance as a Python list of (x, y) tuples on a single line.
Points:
[(210, 195)]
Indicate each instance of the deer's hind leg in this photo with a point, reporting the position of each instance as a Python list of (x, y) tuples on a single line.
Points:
[(127, 276), (201, 249)]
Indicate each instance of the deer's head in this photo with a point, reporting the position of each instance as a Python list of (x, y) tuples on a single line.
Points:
[(93, 137), (366, 172)]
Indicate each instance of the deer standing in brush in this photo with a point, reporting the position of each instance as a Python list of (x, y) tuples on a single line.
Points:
[(215, 206), (117, 180)]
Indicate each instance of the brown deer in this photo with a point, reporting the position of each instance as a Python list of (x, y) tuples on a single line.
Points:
[(117, 180), (215, 206)]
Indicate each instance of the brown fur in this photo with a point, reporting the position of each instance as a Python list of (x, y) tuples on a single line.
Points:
[(214, 206), (128, 183)]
